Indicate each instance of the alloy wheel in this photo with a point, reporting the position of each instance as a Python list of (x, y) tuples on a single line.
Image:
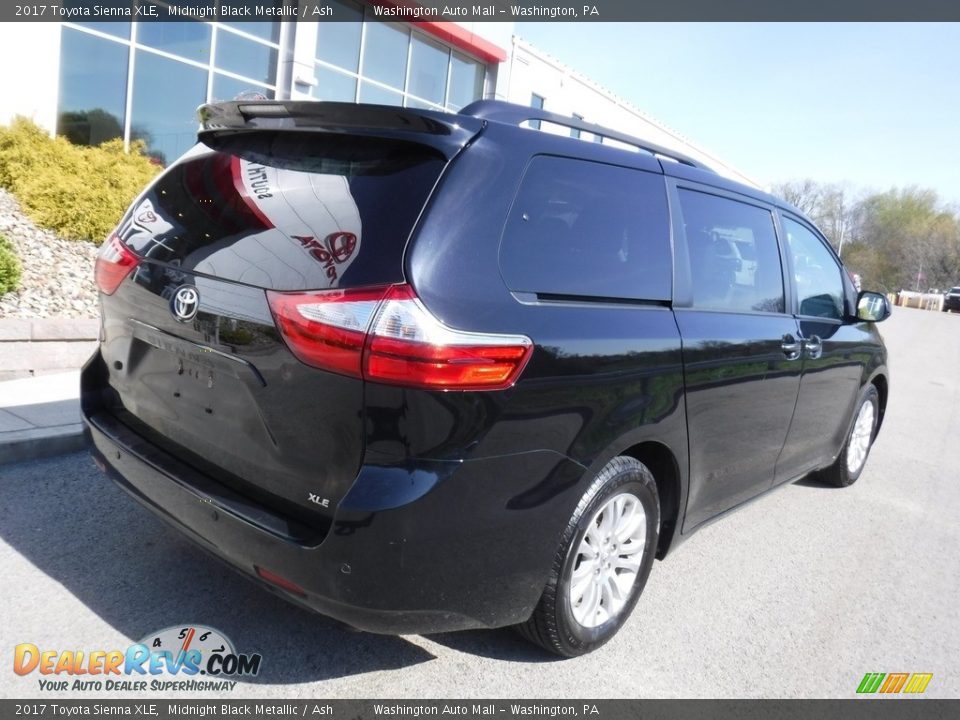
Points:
[(608, 560), (860, 438)]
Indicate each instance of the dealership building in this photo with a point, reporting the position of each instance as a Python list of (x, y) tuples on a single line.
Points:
[(94, 81)]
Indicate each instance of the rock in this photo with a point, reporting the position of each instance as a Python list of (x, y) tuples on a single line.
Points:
[(57, 278)]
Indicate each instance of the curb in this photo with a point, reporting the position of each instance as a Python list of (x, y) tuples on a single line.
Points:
[(36, 443), (47, 329), (31, 348)]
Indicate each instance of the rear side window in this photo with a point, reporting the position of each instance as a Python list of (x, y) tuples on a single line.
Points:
[(287, 211), (734, 256), (580, 228)]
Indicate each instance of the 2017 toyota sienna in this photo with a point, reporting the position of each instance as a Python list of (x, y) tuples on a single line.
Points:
[(424, 372)]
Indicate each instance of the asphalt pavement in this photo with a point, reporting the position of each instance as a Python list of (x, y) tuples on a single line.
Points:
[(796, 595)]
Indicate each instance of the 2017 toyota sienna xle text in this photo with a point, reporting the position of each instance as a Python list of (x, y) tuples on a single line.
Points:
[(425, 372)]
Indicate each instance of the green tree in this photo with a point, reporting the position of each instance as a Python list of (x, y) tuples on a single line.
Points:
[(906, 239), (828, 205)]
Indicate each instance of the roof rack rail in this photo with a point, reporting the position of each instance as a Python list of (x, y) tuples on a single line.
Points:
[(510, 113)]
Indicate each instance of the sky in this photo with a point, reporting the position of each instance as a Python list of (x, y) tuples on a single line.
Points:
[(875, 105)]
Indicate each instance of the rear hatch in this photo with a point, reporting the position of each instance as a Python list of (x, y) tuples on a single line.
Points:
[(278, 197)]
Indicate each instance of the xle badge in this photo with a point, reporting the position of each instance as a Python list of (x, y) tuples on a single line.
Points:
[(322, 502)]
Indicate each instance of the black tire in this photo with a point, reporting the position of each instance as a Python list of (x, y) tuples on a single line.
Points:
[(839, 474), (553, 625)]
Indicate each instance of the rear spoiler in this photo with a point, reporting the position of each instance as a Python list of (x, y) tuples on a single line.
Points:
[(444, 132)]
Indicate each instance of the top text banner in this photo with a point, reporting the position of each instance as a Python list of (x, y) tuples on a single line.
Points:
[(496, 11)]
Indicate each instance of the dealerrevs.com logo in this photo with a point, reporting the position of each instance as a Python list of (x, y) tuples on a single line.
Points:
[(187, 657)]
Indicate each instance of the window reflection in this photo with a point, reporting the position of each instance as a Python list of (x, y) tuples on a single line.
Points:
[(734, 257), (436, 78), (376, 95), (333, 85), (269, 31), (338, 43), (385, 54), (165, 97), (190, 40), (466, 81), (93, 80), (246, 57), (428, 70), (228, 88), (118, 29), (818, 278)]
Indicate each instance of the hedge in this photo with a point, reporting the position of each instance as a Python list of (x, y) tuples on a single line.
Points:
[(78, 191), (9, 267)]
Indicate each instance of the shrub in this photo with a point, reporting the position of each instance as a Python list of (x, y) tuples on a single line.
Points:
[(78, 191), (9, 267)]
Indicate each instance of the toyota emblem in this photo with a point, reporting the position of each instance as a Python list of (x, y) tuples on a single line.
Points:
[(185, 302)]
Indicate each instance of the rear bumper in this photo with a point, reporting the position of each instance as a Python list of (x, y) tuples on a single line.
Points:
[(422, 547)]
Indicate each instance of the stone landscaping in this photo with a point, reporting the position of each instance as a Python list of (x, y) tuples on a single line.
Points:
[(57, 277)]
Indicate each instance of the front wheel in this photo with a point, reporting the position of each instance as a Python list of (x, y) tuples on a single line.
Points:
[(853, 457), (603, 562)]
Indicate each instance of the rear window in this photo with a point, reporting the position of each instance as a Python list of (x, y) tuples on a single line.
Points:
[(287, 211), (581, 228)]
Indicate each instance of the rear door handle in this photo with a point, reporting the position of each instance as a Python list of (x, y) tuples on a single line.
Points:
[(791, 347), (814, 347)]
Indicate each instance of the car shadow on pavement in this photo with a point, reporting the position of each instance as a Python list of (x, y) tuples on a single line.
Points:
[(812, 481), (503, 644), (69, 520)]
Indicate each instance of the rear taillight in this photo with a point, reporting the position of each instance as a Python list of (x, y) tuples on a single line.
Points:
[(114, 263), (406, 345), (327, 329), (387, 335)]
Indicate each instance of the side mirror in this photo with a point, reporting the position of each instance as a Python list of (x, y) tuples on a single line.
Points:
[(872, 307)]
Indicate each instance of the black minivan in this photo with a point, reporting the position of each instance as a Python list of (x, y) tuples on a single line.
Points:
[(425, 372)]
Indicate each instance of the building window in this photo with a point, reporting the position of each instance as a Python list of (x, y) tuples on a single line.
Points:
[(429, 62), (575, 132), (189, 40), (165, 120), (338, 43), (385, 54), (369, 61), (176, 66), (466, 81), (536, 101), (118, 29), (334, 85), (267, 31), (93, 88), (246, 57)]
